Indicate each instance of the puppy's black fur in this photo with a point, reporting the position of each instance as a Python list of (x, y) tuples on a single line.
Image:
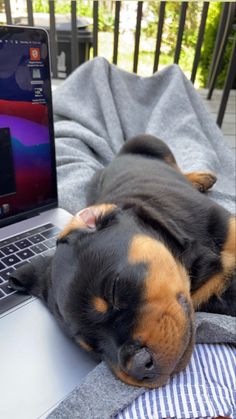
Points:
[(101, 298), (165, 204)]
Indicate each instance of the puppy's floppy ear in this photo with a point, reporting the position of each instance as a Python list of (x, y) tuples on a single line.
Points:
[(87, 218), (33, 277)]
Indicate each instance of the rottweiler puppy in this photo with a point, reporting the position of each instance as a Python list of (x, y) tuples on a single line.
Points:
[(131, 268)]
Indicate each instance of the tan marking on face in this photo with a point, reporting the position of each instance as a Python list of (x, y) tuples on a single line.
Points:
[(163, 325), (100, 305), (162, 266), (218, 283), (77, 222), (83, 344)]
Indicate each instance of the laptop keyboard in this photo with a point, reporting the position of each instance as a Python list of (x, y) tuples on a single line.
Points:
[(16, 252)]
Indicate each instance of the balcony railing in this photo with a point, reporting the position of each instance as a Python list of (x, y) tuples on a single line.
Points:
[(225, 27)]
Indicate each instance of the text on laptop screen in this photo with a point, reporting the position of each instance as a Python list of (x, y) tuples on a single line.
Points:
[(27, 178)]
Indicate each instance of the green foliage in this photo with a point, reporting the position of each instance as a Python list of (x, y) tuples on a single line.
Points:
[(170, 31), (84, 8), (208, 46), (63, 7), (2, 6), (171, 23), (106, 19), (149, 32), (41, 6), (209, 40)]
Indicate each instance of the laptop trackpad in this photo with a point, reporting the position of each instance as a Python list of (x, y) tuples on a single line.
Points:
[(39, 364)]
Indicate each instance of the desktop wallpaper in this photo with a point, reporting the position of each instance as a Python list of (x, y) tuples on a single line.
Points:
[(24, 133)]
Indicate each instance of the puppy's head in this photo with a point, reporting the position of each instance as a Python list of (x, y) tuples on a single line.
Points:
[(121, 294)]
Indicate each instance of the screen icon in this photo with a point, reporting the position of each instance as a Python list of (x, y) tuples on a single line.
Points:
[(35, 54), (5, 208), (36, 74)]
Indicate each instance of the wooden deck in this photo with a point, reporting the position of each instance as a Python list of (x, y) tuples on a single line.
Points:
[(229, 122)]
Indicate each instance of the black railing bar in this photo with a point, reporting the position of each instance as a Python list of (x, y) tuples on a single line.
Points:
[(200, 40), (159, 34), (231, 74), (30, 12), (228, 26), (182, 18), (74, 36), (8, 12), (95, 28), (116, 31), (219, 35), (137, 35), (53, 43)]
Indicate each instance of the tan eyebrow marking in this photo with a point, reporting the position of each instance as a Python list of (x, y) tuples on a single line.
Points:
[(100, 305)]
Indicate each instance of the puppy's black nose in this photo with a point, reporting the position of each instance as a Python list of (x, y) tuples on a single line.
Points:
[(141, 365)]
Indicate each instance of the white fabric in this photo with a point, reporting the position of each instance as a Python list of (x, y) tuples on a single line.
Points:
[(206, 389)]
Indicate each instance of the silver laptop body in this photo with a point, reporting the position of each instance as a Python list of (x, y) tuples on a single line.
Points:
[(39, 364)]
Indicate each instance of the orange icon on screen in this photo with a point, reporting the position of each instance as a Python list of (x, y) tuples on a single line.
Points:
[(35, 54)]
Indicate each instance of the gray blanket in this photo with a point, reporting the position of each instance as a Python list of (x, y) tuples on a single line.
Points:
[(97, 109)]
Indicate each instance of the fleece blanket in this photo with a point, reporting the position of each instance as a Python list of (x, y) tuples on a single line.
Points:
[(97, 109)]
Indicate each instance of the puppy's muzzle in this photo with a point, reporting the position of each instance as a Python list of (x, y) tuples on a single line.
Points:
[(139, 365)]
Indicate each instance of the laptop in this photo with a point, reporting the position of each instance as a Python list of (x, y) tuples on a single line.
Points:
[(39, 364)]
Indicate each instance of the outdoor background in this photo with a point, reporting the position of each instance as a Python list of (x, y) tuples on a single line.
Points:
[(148, 32)]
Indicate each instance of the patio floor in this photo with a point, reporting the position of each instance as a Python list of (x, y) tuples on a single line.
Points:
[(229, 122)]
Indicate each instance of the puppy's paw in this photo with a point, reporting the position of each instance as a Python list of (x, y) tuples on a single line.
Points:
[(201, 180)]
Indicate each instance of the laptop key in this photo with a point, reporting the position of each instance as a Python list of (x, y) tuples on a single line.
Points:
[(22, 244), (8, 250), (51, 242), (28, 233), (6, 288), (49, 252), (5, 242), (38, 238), (2, 266), (6, 273), (38, 230), (1, 255), (39, 248), (18, 265), (12, 300), (10, 260), (51, 233), (25, 254)]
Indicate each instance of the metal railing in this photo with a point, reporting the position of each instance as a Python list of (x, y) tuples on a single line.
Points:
[(227, 16)]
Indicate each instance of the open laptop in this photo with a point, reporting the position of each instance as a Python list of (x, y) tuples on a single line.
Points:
[(39, 365)]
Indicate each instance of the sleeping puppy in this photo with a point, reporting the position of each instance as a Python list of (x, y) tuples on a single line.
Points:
[(131, 268)]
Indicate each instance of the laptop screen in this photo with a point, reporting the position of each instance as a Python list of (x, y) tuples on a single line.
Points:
[(27, 155)]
